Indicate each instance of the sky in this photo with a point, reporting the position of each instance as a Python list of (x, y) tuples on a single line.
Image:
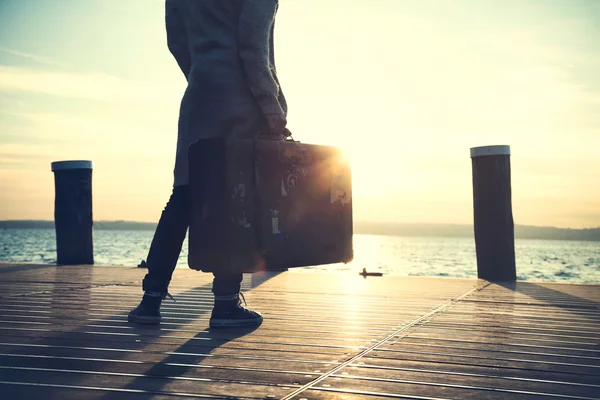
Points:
[(405, 88)]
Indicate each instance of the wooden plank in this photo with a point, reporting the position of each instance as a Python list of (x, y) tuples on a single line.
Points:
[(375, 366), (29, 390), (523, 361), (449, 386), (163, 346), (481, 343), (235, 371), (148, 383)]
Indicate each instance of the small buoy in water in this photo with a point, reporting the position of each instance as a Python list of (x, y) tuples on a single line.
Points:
[(365, 273)]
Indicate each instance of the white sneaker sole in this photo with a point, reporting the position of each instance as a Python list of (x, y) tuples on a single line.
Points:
[(143, 320), (235, 323)]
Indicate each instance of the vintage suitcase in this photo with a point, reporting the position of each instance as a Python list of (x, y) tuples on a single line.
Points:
[(266, 204)]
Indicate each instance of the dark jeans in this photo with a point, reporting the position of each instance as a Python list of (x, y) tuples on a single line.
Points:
[(166, 247)]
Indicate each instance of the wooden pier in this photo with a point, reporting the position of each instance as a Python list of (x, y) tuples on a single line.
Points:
[(64, 335)]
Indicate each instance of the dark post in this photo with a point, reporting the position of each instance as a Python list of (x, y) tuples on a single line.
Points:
[(494, 226), (73, 212)]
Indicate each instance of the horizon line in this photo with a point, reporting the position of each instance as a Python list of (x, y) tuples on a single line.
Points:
[(355, 222)]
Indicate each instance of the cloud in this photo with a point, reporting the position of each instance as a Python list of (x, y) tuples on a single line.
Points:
[(87, 85), (33, 57), (71, 135)]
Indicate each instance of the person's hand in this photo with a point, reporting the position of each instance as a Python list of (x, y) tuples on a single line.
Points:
[(286, 133), (276, 125)]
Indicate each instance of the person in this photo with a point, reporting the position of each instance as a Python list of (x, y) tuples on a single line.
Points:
[(225, 50)]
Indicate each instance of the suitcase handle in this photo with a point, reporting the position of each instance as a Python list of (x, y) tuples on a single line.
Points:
[(287, 136)]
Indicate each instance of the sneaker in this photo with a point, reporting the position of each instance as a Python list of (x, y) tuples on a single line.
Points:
[(148, 311), (229, 312)]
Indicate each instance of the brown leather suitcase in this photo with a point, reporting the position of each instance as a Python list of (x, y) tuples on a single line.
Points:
[(265, 204)]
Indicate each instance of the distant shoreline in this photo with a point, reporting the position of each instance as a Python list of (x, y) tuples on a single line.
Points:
[(361, 227)]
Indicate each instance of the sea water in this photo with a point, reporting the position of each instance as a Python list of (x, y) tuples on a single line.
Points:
[(537, 260)]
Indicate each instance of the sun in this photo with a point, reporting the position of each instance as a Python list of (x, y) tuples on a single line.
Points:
[(369, 175)]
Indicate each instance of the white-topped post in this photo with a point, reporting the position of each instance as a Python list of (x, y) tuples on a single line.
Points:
[(493, 217), (73, 217)]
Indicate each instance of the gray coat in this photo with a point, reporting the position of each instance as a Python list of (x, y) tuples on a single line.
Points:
[(225, 50)]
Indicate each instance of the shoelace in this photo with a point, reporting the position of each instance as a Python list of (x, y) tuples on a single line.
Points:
[(169, 296), (161, 295), (232, 297)]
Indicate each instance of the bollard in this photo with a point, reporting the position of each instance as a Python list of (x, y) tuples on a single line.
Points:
[(493, 218), (73, 212)]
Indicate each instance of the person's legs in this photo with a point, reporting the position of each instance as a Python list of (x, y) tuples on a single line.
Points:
[(168, 241), (162, 260), (228, 311), (163, 255), (226, 285)]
